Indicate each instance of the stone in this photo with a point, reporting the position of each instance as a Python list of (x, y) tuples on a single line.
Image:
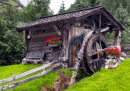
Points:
[(121, 58), (123, 54), (106, 67), (44, 89), (62, 83)]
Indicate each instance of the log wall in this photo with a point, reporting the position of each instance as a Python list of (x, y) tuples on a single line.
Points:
[(36, 43)]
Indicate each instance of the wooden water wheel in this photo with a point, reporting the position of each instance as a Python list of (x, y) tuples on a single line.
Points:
[(92, 59)]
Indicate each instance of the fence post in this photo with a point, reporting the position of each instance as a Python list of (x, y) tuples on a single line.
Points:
[(14, 81), (42, 72), (1, 89)]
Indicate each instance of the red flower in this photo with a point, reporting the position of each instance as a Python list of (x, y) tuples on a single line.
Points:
[(109, 50), (59, 37), (106, 51), (55, 39), (53, 42), (116, 48), (46, 42), (58, 40)]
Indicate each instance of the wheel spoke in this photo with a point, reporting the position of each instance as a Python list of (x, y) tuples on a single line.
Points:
[(93, 53)]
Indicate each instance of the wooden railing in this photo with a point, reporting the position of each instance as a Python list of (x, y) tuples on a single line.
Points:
[(126, 49), (14, 84)]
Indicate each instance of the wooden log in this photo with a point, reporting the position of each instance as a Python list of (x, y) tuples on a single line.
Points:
[(57, 30), (128, 54), (117, 39), (29, 72), (30, 78), (125, 49), (39, 48), (127, 45), (44, 35)]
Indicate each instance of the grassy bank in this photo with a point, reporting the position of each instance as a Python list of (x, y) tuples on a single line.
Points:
[(117, 79), (33, 85)]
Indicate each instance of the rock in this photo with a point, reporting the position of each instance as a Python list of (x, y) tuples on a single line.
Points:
[(121, 58), (123, 54), (44, 89), (108, 61), (62, 83), (106, 67), (57, 85)]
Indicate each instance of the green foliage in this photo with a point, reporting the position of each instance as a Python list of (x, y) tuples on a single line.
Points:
[(11, 42), (122, 15), (14, 3), (117, 79), (120, 9), (12, 47), (110, 37), (36, 9), (62, 8), (80, 4), (10, 17)]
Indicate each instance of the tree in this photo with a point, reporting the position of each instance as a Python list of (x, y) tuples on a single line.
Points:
[(120, 9), (112, 5), (122, 15), (92, 3), (80, 4), (36, 9), (9, 17), (62, 8)]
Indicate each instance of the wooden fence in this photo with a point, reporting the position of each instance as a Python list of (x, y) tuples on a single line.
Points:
[(14, 84), (126, 49)]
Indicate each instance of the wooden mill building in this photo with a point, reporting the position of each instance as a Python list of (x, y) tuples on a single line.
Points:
[(72, 27)]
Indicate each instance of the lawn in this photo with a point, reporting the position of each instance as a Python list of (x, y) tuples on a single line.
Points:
[(33, 85), (117, 79)]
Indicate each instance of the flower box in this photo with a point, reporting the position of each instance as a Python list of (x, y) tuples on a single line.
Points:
[(53, 41), (54, 45)]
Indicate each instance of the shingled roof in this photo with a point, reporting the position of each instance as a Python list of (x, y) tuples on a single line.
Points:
[(72, 15)]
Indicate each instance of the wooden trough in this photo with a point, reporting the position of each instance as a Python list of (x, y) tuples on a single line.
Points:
[(82, 38)]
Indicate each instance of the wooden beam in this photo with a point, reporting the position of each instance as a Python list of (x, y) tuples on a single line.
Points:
[(57, 30), (110, 19), (44, 35), (100, 21), (95, 12), (117, 39)]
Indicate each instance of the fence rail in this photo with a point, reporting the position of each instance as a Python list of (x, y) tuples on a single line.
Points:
[(27, 73), (126, 48)]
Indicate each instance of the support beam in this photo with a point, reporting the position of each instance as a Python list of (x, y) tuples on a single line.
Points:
[(117, 39), (57, 30), (25, 37)]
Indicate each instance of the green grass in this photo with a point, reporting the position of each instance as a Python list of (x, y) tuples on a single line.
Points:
[(117, 79), (11, 3), (33, 85), (2, 9)]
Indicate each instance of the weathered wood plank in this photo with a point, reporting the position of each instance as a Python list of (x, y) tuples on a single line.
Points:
[(41, 39), (39, 48), (127, 45), (43, 31), (46, 51), (44, 35), (29, 72), (128, 54), (125, 49)]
